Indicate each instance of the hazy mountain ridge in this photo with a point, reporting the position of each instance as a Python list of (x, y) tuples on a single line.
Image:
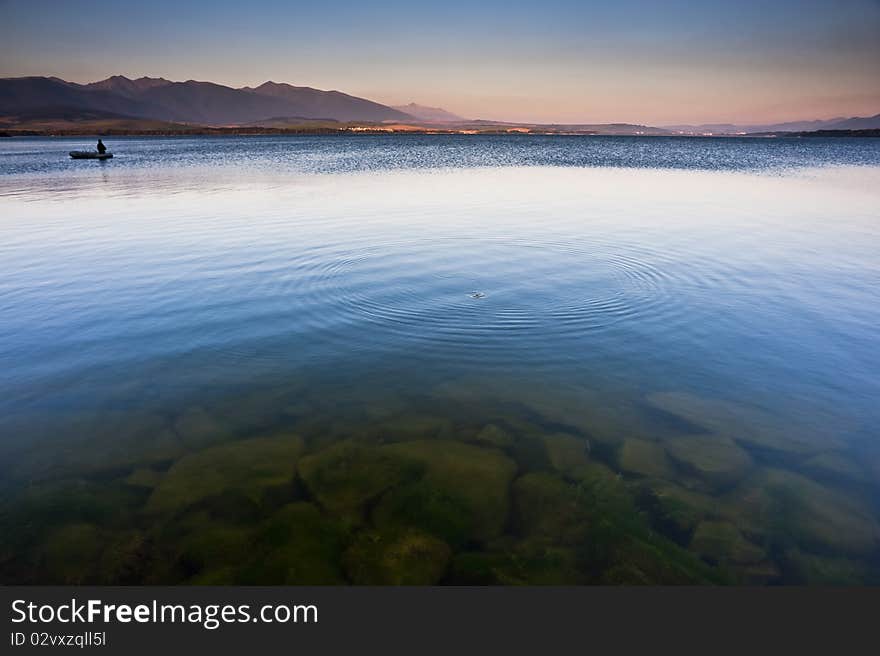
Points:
[(432, 114), (838, 123), (192, 101)]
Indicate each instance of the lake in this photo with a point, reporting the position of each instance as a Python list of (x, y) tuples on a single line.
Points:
[(432, 359)]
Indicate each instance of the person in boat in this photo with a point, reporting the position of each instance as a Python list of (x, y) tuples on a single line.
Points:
[(101, 147)]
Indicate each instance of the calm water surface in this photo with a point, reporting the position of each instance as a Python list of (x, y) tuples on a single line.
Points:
[(431, 359)]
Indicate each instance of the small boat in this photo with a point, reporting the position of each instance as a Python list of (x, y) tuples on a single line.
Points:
[(89, 154)]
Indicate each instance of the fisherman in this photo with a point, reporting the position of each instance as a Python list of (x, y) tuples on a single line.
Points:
[(101, 147)]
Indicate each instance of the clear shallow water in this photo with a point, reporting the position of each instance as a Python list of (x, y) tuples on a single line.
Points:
[(673, 337)]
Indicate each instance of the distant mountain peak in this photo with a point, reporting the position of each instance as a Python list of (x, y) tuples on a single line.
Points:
[(432, 114)]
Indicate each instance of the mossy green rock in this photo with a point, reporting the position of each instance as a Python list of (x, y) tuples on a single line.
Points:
[(722, 542), (407, 557), (493, 436), (248, 467), (527, 563), (677, 509), (196, 427), (747, 425), (644, 458), (714, 459), (296, 546), (825, 570), (346, 476), (477, 478), (547, 506), (144, 477), (835, 467), (427, 507), (796, 508), (71, 554), (567, 453)]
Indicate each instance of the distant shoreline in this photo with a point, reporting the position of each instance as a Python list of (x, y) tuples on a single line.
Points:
[(365, 131)]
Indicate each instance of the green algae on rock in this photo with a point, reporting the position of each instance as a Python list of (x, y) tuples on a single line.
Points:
[(722, 542), (677, 510), (71, 553), (296, 546), (812, 569), (478, 478), (644, 458), (429, 508), (250, 467), (567, 453), (346, 476), (835, 467), (493, 436), (406, 557), (795, 508), (547, 506), (714, 459), (746, 425), (144, 477)]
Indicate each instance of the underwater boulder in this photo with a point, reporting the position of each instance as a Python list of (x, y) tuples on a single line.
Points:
[(478, 478), (346, 476), (714, 459), (836, 468), (493, 436), (676, 510), (567, 453), (747, 425), (144, 477), (70, 554), (296, 546), (249, 467), (531, 562), (795, 508), (722, 542), (406, 557), (429, 508), (547, 506), (812, 569), (196, 428), (644, 458)]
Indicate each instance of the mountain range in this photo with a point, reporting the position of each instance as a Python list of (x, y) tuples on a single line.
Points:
[(839, 123), (429, 114), (203, 103), (49, 103)]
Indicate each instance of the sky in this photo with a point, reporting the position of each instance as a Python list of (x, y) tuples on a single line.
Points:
[(566, 61)]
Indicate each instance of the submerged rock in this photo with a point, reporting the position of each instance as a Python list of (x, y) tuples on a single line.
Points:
[(296, 546), (407, 557), (644, 458), (722, 542), (346, 476), (144, 477), (835, 467), (71, 554), (714, 459), (478, 478), (676, 510), (528, 563), (744, 424), (249, 467), (493, 436), (824, 570), (428, 508), (567, 453), (547, 506), (198, 428), (795, 508)]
